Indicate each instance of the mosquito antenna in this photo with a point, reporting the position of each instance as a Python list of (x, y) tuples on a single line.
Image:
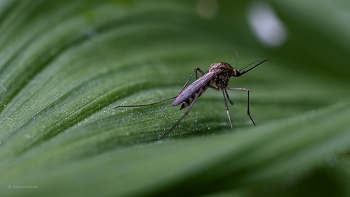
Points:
[(257, 63), (237, 60), (250, 64)]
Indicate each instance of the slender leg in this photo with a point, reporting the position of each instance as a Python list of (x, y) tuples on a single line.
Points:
[(188, 110), (143, 105), (194, 71), (248, 109), (228, 97), (157, 102), (227, 112), (198, 69)]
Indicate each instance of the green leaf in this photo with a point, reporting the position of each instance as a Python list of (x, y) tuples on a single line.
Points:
[(64, 65)]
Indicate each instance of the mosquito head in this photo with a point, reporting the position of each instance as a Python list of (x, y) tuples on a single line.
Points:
[(237, 73)]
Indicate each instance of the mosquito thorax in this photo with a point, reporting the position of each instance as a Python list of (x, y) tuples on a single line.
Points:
[(221, 67)]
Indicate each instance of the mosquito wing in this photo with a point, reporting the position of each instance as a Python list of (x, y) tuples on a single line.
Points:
[(195, 87)]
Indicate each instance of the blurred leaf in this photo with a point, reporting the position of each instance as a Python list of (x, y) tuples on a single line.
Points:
[(64, 65)]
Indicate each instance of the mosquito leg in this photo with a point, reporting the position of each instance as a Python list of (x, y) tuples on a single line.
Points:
[(228, 97), (154, 103), (143, 105), (248, 109), (198, 70), (194, 71), (227, 112), (188, 110)]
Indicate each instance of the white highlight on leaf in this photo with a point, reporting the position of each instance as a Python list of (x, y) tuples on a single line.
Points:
[(266, 25)]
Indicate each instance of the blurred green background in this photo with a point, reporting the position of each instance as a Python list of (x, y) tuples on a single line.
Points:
[(64, 65)]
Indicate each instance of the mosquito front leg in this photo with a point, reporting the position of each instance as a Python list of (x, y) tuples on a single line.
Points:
[(248, 108)]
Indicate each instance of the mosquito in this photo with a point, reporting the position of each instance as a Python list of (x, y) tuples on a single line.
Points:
[(217, 77)]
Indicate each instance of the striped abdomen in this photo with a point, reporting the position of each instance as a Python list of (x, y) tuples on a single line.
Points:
[(197, 87)]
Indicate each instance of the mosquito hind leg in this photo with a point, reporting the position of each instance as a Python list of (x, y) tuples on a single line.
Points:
[(177, 122), (143, 105), (248, 108), (157, 102), (196, 70)]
